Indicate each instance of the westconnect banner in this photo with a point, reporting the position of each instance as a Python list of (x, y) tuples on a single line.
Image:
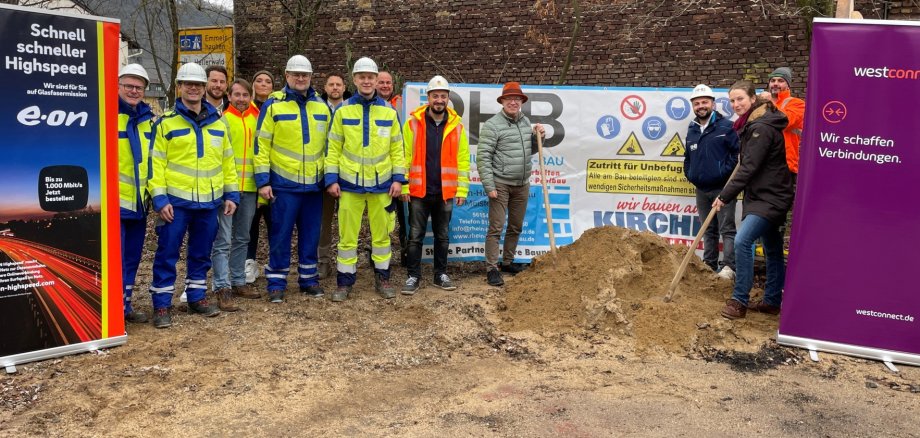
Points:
[(613, 156), (860, 161), (60, 288)]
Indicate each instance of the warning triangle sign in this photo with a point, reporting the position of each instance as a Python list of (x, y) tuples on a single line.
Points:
[(631, 146), (675, 147)]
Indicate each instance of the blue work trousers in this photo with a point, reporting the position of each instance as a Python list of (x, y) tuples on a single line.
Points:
[(289, 210), (132, 244), (201, 226)]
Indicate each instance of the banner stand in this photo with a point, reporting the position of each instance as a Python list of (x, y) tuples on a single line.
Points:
[(10, 362), (850, 350)]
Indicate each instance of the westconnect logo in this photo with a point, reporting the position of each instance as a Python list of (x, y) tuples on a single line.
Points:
[(886, 73)]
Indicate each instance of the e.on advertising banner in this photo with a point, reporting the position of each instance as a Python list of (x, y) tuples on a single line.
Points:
[(207, 46), (613, 156), (851, 285), (59, 244)]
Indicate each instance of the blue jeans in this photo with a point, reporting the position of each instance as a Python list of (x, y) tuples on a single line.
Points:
[(228, 259), (723, 224), (439, 210), (752, 228)]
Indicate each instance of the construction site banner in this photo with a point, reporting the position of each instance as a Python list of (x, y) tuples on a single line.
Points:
[(208, 46), (60, 276), (613, 156), (851, 286)]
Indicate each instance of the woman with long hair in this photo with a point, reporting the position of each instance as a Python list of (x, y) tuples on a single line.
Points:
[(767, 184)]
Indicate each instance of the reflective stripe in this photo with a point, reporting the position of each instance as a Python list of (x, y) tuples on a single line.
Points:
[(348, 253), (196, 286), (246, 174), (415, 168), (127, 205), (353, 179), (157, 154), (463, 174), (381, 250), (167, 289), (302, 179), (188, 171), (448, 183), (158, 191), (382, 265), (399, 170), (347, 269), (308, 276), (275, 275), (298, 156), (415, 181), (265, 134), (365, 160), (396, 139), (797, 131), (313, 266), (202, 197), (448, 170), (129, 179), (228, 153), (336, 137), (129, 287), (243, 161), (231, 188), (190, 281), (262, 168)]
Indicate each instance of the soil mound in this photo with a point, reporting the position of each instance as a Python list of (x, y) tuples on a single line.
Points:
[(614, 280)]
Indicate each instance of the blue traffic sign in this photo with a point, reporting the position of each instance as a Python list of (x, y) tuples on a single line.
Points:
[(678, 108), (654, 128), (608, 127)]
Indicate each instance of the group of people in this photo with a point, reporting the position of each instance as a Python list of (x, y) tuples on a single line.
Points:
[(230, 154), (757, 154)]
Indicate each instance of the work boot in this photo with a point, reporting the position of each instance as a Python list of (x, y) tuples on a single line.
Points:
[(323, 270), (246, 291), (276, 296), (225, 300), (411, 286), (202, 307), (762, 307), (734, 309), (341, 294), (136, 317), (314, 291), (513, 268), (494, 278), (161, 318), (443, 281), (384, 287)]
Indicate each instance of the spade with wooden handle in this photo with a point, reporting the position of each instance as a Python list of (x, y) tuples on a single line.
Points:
[(549, 210)]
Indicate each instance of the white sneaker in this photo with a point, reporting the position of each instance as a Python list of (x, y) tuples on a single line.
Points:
[(183, 298), (251, 270), (726, 273)]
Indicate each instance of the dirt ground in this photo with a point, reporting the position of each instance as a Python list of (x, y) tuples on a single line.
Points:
[(580, 345)]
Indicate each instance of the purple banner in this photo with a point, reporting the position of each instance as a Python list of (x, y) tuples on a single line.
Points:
[(853, 259)]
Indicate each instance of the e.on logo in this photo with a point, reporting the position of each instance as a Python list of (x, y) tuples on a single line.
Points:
[(32, 116)]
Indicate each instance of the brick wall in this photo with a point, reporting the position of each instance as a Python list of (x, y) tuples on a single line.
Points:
[(621, 43)]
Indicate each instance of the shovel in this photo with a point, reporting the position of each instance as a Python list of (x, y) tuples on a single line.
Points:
[(549, 210)]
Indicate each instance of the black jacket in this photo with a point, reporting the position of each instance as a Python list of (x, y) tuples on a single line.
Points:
[(763, 173), (712, 154)]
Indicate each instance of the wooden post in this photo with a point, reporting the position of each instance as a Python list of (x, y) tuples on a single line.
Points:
[(844, 8)]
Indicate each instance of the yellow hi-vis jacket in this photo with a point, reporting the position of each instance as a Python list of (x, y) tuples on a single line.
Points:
[(291, 141), (192, 160), (242, 127), (133, 158), (365, 147), (454, 159)]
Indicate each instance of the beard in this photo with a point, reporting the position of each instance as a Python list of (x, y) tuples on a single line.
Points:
[(215, 94), (705, 114), (437, 111)]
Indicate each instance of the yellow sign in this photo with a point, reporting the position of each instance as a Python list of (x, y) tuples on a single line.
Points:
[(675, 148), (631, 146), (650, 177), (208, 46)]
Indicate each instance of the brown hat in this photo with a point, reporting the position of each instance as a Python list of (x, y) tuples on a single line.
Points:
[(512, 89)]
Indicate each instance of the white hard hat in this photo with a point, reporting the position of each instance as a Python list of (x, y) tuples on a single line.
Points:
[(702, 90), (299, 64), (191, 72), (134, 70), (365, 65), (438, 83)]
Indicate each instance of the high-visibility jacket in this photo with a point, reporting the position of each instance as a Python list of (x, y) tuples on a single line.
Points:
[(242, 127), (365, 147), (292, 141), (455, 155), (794, 109), (133, 157), (396, 101), (192, 160)]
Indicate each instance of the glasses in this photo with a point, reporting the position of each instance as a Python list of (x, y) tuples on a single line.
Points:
[(300, 75), (513, 99), (192, 84), (135, 88)]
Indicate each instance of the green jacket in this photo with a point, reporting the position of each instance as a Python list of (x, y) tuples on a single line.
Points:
[(503, 154)]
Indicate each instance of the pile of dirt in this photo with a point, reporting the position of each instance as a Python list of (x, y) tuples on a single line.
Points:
[(613, 280)]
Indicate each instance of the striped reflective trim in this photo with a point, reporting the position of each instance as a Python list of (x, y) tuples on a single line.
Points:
[(365, 160), (797, 131), (162, 290), (416, 168), (201, 197), (308, 276), (196, 286), (346, 269), (190, 281), (415, 181), (448, 170), (336, 137), (381, 250), (380, 177), (228, 153), (128, 179), (352, 179), (188, 171), (246, 173), (463, 174), (231, 188), (382, 265), (448, 183), (158, 191), (157, 154), (265, 134), (262, 168), (297, 155), (127, 205), (399, 170), (332, 169), (275, 275), (244, 161), (348, 253), (396, 138), (129, 287), (313, 266), (299, 178)]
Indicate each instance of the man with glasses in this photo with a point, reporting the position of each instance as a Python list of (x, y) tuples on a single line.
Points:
[(134, 118), (289, 172), (506, 142), (192, 175)]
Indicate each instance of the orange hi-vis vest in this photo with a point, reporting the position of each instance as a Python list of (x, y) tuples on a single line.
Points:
[(242, 127), (455, 156)]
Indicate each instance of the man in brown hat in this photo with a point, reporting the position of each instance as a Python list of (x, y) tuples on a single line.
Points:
[(506, 142)]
